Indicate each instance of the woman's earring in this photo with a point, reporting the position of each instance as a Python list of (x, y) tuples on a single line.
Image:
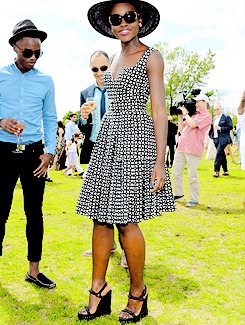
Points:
[(140, 25)]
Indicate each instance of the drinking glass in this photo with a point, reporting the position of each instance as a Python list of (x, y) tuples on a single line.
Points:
[(92, 102), (21, 127)]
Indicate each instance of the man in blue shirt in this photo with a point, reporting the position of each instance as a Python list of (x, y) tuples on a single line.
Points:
[(26, 98), (71, 127)]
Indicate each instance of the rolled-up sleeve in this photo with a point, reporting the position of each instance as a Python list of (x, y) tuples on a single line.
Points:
[(203, 120)]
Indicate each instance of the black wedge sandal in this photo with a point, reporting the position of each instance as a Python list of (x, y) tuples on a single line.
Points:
[(143, 312), (103, 308)]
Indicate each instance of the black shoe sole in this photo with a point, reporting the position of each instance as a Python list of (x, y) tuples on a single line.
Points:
[(136, 319), (93, 316)]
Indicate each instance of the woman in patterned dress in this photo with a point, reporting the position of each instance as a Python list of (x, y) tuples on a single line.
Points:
[(60, 146), (127, 180)]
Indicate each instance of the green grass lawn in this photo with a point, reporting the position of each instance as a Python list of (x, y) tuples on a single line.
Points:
[(194, 263)]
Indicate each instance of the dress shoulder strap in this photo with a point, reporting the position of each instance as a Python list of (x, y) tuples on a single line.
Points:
[(146, 55)]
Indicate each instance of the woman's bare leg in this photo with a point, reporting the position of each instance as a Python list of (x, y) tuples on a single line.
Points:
[(66, 170), (53, 167), (134, 246), (228, 150), (103, 235)]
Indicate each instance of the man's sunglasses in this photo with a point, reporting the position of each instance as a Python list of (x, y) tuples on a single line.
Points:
[(102, 68), (27, 53), (130, 17)]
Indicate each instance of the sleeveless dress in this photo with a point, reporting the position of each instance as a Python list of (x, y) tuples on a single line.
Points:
[(117, 185), (58, 152)]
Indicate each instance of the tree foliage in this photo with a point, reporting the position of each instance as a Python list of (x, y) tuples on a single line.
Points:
[(184, 70)]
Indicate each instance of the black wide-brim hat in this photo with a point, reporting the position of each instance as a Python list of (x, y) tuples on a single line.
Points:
[(28, 29), (98, 16)]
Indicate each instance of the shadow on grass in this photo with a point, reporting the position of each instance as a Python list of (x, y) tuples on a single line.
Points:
[(166, 286), (163, 285), (52, 308)]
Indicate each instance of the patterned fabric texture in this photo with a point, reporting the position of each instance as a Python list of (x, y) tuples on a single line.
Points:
[(58, 152), (117, 186)]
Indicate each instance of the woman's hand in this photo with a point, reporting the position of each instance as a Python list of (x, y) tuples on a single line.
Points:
[(158, 177)]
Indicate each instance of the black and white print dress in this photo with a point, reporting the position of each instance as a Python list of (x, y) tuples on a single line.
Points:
[(117, 186)]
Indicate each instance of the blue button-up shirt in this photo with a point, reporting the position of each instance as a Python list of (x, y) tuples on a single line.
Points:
[(70, 130), (96, 113), (28, 97)]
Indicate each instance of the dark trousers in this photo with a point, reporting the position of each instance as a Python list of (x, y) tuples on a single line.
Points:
[(171, 153), (220, 158), (86, 151), (13, 166)]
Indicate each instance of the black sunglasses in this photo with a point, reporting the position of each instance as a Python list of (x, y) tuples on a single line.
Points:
[(102, 68), (130, 17), (27, 53)]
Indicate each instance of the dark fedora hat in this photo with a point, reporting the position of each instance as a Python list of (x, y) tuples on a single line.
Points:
[(98, 16), (26, 28)]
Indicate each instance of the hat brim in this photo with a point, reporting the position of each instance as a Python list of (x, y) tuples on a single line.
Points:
[(98, 16), (35, 33), (200, 97)]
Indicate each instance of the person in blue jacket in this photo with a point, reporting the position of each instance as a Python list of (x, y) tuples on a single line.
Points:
[(220, 133), (89, 126)]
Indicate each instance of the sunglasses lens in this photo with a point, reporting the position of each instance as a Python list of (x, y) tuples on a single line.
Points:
[(27, 53), (115, 20), (130, 17), (94, 69), (104, 68), (37, 53)]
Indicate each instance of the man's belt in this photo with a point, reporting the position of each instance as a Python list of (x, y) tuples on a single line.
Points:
[(33, 145), (22, 147)]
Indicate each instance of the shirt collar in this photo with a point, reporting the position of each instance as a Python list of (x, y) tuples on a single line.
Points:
[(219, 117), (96, 85)]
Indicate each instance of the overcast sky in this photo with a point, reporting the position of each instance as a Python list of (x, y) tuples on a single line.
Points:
[(218, 25)]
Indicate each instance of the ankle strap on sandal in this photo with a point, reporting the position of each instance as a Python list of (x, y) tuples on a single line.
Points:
[(140, 298), (98, 294)]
